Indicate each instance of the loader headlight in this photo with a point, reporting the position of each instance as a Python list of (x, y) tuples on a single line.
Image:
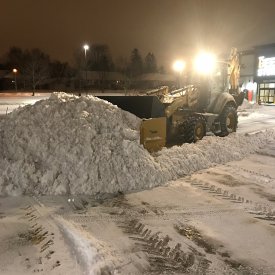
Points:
[(178, 66), (205, 63)]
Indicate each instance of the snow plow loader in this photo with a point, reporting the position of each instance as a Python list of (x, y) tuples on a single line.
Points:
[(208, 104)]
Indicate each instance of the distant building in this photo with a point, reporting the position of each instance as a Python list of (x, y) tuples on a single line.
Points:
[(257, 73)]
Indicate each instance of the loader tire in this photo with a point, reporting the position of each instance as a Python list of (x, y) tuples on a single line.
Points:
[(194, 129), (228, 121)]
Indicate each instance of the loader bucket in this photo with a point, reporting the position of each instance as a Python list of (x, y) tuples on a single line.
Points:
[(141, 106), (153, 133)]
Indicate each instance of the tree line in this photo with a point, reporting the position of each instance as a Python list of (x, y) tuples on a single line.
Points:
[(35, 67)]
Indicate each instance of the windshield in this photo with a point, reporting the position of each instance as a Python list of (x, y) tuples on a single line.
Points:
[(218, 81)]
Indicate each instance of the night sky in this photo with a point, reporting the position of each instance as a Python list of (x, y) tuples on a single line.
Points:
[(168, 28)]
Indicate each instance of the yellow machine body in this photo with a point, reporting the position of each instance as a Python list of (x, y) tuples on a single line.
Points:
[(153, 133)]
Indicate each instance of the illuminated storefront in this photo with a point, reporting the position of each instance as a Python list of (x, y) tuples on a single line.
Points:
[(257, 75), (265, 73), (266, 93), (247, 75)]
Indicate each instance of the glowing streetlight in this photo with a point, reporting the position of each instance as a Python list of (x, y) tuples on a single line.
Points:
[(86, 48), (178, 67), (205, 63), (15, 80)]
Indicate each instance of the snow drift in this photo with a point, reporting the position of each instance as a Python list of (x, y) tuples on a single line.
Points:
[(84, 145)]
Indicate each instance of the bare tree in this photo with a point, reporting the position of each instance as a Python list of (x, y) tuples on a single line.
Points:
[(150, 63), (99, 58), (33, 65), (15, 58), (36, 68), (136, 63), (121, 64)]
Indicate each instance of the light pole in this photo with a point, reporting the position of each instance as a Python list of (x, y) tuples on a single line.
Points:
[(86, 48), (15, 80), (178, 67)]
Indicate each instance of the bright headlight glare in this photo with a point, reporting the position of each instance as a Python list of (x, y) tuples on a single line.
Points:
[(205, 63), (179, 65)]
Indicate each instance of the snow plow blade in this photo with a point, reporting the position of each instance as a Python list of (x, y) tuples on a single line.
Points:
[(153, 133), (141, 106)]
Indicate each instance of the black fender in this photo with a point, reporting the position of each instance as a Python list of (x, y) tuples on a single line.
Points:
[(239, 98)]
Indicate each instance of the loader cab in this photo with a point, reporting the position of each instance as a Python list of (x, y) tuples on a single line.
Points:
[(218, 80), (209, 86)]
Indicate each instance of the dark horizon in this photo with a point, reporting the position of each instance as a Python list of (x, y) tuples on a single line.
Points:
[(169, 29)]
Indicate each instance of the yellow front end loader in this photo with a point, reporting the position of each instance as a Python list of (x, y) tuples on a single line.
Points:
[(187, 114)]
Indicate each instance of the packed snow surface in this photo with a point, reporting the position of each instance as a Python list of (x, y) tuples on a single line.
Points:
[(84, 145)]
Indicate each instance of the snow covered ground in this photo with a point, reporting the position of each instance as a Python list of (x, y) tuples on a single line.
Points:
[(213, 211), (11, 101)]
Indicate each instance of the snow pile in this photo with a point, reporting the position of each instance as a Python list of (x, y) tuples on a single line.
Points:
[(248, 111), (188, 158), (248, 106), (84, 145), (68, 145)]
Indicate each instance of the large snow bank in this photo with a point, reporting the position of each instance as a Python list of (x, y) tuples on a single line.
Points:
[(84, 145), (69, 144)]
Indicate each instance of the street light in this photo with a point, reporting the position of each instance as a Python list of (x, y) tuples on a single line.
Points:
[(15, 80), (178, 67), (86, 48)]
